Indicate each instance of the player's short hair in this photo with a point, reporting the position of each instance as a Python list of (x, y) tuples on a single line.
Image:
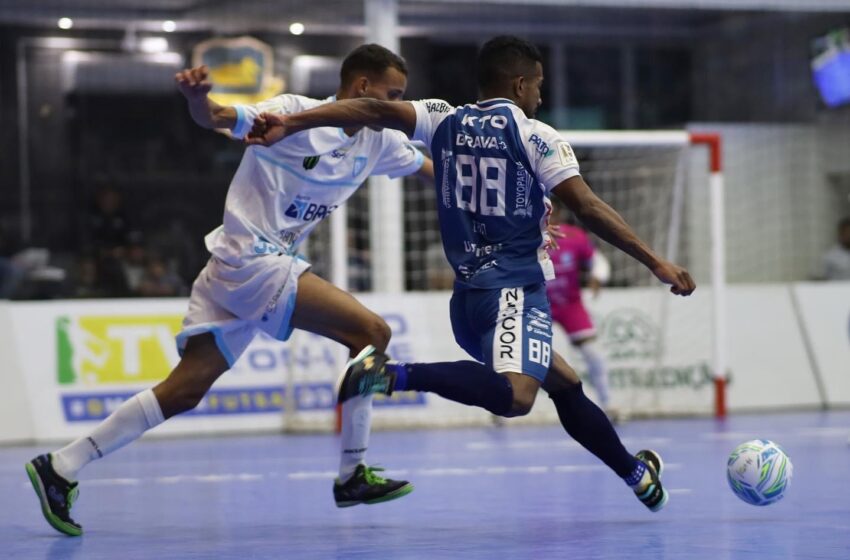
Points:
[(372, 60), (503, 58)]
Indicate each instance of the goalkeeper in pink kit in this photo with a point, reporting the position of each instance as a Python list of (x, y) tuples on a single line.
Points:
[(573, 255)]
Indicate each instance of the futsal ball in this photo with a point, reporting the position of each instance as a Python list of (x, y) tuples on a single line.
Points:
[(759, 472)]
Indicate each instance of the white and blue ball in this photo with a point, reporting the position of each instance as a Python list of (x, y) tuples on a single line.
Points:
[(759, 472)]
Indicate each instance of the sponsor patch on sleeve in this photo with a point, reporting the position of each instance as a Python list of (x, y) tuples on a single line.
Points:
[(566, 154), (437, 106)]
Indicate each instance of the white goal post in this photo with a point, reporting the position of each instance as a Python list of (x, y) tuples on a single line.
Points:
[(712, 142)]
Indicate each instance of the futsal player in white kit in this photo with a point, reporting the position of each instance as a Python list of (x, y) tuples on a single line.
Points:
[(255, 281)]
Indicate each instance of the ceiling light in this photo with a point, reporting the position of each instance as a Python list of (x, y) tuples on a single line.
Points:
[(153, 44), (65, 23), (168, 26), (296, 28)]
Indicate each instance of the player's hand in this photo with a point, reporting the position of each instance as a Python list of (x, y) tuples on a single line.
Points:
[(555, 234), (193, 83), (268, 128), (595, 286), (678, 278)]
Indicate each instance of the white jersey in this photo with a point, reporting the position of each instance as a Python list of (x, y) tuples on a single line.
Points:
[(280, 193)]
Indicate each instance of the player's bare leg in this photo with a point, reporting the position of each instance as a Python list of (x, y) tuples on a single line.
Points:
[(324, 309), (54, 475), (590, 427), (200, 366)]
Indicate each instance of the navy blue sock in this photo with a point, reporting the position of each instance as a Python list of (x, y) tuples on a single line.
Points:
[(465, 382), (589, 426)]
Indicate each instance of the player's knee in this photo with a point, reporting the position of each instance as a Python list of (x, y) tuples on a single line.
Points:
[(185, 388), (378, 333), (188, 398), (521, 405), (524, 392)]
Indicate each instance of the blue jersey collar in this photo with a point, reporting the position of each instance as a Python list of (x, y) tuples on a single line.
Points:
[(494, 101)]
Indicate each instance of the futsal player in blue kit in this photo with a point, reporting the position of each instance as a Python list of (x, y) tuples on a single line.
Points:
[(495, 169)]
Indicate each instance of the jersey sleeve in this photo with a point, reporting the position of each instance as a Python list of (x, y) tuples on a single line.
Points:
[(552, 157), (245, 114), (398, 156), (429, 114)]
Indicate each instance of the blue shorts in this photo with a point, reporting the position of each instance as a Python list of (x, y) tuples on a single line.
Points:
[(508, 329)]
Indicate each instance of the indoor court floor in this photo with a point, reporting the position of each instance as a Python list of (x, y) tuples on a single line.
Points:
[(488, 493)]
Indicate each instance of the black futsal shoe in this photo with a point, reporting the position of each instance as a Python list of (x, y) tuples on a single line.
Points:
[(56, 495), (366, 375), (649, 490), (366, 487)]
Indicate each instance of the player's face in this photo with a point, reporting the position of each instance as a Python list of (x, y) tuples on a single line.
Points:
[(390, 86), (530, 98)]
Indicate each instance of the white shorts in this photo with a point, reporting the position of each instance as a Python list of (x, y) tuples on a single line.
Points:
[(235, 303)]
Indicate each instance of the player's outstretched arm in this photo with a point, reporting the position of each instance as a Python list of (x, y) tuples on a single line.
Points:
[(194, 84), (426, 172), (605, 222), (270, 128)]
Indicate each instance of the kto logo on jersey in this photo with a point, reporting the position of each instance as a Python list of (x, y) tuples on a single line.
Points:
[(303, 209), (496, 121), (97, 350)]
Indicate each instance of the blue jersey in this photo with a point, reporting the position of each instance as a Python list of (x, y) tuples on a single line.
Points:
[(494, 169)]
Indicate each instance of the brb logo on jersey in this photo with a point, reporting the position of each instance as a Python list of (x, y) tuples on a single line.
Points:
[(302, 209)]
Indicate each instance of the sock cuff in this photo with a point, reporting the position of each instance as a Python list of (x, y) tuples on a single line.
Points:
[(151, 408), (636, 475), (400, 370)]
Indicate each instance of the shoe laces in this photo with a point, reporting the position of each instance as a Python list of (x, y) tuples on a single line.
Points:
[(371, 477), (71, 496)]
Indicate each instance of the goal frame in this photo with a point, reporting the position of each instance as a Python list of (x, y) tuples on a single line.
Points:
[(711, 141)]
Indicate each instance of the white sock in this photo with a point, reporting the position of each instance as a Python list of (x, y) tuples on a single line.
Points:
[(129, 421), (356, 427), (597, 369)]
